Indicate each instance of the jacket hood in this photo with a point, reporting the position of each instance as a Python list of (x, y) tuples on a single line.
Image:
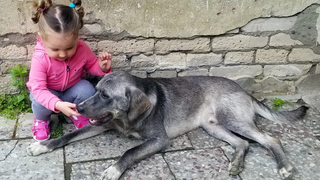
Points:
[(39, 46)]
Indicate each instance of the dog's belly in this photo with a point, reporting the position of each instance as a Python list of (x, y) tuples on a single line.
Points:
[(185, 124), (178, 129)]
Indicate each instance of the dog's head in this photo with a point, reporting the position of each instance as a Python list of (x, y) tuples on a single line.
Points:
[(116, 97)]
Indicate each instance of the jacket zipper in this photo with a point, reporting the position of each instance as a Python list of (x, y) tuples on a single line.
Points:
[(67, 76)]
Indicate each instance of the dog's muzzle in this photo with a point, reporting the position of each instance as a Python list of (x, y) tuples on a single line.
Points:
[(100, 121)]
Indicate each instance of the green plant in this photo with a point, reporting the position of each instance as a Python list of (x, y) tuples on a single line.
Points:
[(58, 131), (12, 105), (278, 103)]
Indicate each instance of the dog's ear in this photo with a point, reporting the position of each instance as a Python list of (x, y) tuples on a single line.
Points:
[(139, 102)]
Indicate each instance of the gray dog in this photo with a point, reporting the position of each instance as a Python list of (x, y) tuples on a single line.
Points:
[(159, 109)]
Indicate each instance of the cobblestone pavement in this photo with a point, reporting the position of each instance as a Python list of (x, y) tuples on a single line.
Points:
[(194, 156)]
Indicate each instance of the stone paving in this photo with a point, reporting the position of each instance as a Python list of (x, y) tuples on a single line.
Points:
[(194, 156)]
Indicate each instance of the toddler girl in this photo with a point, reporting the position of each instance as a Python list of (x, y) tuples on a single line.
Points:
[(58, 65)]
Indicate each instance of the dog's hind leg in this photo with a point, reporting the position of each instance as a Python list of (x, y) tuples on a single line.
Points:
[(250, 131), (241, 146)]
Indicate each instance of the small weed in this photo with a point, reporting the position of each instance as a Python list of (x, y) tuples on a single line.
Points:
[(12, 105), (58, 131), (278, 103)]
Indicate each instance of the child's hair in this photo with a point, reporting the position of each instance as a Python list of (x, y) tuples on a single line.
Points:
[(58, 18)]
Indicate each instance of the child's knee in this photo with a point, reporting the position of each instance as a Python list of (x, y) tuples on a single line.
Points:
[(86, 94), (86, 90)]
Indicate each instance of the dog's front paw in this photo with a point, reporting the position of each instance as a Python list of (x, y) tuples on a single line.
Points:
[(112, 173), (36, 148)]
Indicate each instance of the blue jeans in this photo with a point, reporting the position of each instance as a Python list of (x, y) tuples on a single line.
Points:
[(79, 92)]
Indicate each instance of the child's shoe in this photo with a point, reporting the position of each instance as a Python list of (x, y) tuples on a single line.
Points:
[(41, 130), (79, 121)]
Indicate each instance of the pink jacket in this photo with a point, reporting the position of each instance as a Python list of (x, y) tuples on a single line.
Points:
[(47, 73)]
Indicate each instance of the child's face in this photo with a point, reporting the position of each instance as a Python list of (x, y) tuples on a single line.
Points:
[(60, 47)]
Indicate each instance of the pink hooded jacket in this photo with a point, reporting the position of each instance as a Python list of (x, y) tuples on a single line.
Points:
[(48, 73)]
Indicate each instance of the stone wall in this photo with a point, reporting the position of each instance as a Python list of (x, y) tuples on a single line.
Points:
[(266, 48)]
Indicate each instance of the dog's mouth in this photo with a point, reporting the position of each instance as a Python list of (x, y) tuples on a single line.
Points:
[(101, 120)]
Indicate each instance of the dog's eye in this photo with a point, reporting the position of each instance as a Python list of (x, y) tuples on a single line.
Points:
[(104, 95)]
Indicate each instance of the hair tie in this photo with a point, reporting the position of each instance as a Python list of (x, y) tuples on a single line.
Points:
[(72, 5)]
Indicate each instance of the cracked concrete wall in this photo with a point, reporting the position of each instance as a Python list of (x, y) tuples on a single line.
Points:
[(267, 46)]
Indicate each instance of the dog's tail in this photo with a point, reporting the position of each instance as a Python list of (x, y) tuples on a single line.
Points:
[(280, 116)]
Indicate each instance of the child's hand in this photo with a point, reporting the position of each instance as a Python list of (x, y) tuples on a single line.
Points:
[(105, 61), (67, 108)]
